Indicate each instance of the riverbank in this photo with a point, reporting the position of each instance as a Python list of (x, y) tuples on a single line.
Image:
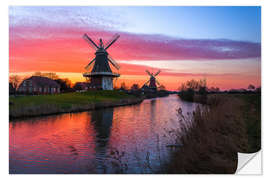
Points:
[(228, 125), (31, 106)]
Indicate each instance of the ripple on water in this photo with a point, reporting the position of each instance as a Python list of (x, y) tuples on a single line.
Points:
[(82, 142)]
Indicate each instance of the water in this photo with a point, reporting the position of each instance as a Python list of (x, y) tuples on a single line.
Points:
[(84, 142)]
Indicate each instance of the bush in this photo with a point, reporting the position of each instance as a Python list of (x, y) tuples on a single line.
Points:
[(187, 95)]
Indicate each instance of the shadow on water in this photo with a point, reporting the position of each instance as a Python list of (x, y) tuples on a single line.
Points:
[(102, 122)]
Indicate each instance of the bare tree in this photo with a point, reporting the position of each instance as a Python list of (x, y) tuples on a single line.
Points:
[(195, 85), (14, 80), (123, 86), (162, 87), (251, 87), (134, 87), (50, 75)]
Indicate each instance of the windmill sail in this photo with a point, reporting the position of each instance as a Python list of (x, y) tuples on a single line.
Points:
[(88, 65), (115, 37), (148, 73), (113, 62), (157, 73), (90, 42)]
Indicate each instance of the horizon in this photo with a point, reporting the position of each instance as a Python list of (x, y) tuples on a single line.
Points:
[(197, 44)]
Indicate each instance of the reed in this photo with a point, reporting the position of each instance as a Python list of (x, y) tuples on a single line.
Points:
[(213, 135)]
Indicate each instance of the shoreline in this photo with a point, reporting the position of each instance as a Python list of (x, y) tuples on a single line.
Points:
[(44, 105), (37, 111), (233, 119)]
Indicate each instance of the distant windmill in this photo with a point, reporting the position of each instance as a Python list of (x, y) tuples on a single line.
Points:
[(101, 75), (152, 81)]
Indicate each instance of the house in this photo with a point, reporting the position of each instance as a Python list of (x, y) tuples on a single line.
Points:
[(147, 89), (84, 86), (39, 85)]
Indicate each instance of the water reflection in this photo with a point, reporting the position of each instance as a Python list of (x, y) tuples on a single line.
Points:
[(82, 142), (102, 121)]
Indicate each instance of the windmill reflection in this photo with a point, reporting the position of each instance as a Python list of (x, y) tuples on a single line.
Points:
[(153, 109), (102, 122)]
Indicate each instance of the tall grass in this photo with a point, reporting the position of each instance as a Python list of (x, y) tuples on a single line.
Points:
[(207, 141), (211, 140)]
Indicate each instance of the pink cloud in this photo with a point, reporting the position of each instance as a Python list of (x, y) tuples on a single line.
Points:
[(131, 46)]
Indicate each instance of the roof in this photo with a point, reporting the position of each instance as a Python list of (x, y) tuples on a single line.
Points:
[(43, 81)]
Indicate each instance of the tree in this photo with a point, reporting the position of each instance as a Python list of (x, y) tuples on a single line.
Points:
[(182, 87), (78, 86), (123, 86), (50, 75), (15, 80), (65, 84), (258, 89), (162, 87), (194, 85), (135, 87), (214, 89), (251, 87)]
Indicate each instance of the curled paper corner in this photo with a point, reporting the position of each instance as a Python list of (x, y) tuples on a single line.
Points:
[(249, 163)]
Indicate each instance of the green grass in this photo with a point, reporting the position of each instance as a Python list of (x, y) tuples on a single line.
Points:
[(69, 98), (68, 102)]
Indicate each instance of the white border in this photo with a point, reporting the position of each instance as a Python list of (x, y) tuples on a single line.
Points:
[(4, 77)]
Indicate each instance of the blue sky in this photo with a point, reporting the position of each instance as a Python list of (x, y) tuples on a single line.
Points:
[(235, 23)]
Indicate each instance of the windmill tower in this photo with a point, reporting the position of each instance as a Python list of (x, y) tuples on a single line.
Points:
[(152, 81), (101, 75)]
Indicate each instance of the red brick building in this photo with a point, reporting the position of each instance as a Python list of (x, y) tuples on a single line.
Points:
[(39, 85)]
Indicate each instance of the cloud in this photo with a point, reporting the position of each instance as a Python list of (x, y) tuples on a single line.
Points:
[(65, 17), (54, 25), (139, 46), (156, 47)]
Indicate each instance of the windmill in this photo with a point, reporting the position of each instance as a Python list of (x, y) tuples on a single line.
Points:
[(101, 75), (152, 81)]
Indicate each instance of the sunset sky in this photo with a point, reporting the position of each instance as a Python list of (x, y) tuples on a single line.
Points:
[(221, 44)]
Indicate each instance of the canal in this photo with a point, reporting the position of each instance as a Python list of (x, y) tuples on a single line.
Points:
[(130, 138)]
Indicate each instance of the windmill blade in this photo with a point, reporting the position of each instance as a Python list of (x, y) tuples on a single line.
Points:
[(147, 82), (109, 43), (157, 82), (90, 42), (113, 62), (148, 73), (88, 65), (157, 73)]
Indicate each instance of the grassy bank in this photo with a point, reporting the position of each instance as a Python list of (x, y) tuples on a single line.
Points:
[(26, 106), (156, 94), (229, 124)]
